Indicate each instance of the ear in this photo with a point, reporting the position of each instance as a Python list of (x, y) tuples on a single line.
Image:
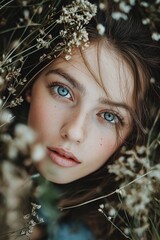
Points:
[(28, 95)]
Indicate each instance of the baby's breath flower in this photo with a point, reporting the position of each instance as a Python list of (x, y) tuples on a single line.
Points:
[(152, 80), (146, 21), (144, 4), (124, 7), (6, 117), (74, 17), (156, 36), (42, 43), (119, 15), (102, 6), (141, 149), (32, 220), (112, 212), (38, 153), (132, 2), (100, 29), (24, 133), (17, 101)]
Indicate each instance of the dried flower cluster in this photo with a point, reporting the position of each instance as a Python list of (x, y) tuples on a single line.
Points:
[(32, 220), (74, 17)]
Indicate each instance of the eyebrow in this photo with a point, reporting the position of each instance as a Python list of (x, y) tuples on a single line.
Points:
[(115, 104), (72, 81), (81, 88)]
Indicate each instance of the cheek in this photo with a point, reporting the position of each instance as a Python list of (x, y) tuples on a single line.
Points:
[(107, 145)]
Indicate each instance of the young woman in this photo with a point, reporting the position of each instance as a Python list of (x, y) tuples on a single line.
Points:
[(85, 108)]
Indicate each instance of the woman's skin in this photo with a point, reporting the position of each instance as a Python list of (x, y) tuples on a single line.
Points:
[(75, 118)]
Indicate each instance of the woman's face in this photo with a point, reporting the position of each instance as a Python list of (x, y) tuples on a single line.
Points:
[(76, 120)]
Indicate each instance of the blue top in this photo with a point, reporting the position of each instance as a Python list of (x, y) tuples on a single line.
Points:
[(73, 231)]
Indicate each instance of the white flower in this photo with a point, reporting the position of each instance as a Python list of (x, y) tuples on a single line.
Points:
[(152, 80), (156, 36), (119, 15), (67, 57), (141, 149), (144, 4), (6, 117), (102, 6), (146, 21), (101, 29), (132, 2), (38, 153), (112, 212), (24, 134), (125, 7)]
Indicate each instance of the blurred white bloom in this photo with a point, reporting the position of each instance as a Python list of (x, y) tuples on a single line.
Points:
[(12, 150), (102, 6), (101, 206), (112, 212), (156, 36), (38, 153), (67, 57), (6, 137), (156, 172), (132, 2), (125, 7), (100, 29), (144, 4), (24, 133), (119, 15), (146, 21), (6, 117), (152, 80), (26, 14), (141, 149)]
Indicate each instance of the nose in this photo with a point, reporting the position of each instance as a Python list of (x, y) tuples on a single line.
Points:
[(74, 128)]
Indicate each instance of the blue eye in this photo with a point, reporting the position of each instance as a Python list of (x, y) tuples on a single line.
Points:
[(110, 117), (62, 91)]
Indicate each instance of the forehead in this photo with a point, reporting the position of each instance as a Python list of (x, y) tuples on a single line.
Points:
[(111, 72)]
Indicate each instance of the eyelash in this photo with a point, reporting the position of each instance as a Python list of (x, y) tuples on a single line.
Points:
[(118, 118), (52, 85)]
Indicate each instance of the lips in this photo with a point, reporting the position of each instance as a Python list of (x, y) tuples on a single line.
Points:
[(62, 157)]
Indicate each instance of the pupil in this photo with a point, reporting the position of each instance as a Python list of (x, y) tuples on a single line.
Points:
[(62, 91)]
